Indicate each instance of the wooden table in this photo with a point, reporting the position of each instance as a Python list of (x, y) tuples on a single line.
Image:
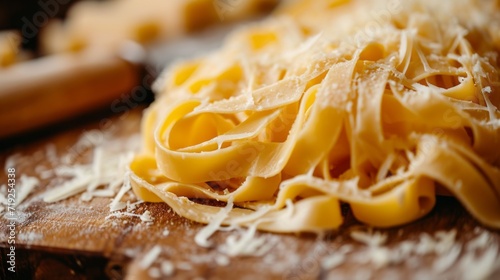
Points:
[(72, 239)]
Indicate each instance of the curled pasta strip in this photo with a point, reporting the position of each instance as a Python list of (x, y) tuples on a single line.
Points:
[(292, 118)]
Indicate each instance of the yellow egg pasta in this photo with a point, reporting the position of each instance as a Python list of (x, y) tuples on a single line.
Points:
[(332, 102)]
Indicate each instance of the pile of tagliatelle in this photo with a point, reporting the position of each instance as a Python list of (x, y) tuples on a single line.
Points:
[(378, 104)]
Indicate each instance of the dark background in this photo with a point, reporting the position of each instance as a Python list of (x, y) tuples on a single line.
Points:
[(15, 13)]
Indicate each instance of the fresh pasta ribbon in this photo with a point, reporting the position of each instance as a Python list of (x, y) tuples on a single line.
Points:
[(308, 110)]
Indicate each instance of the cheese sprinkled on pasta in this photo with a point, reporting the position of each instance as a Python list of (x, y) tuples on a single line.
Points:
[(378, 104)]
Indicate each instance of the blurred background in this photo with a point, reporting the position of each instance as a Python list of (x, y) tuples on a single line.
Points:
[(64, 59), (13, 15)]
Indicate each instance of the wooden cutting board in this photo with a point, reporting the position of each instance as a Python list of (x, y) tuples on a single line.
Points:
[(72, 239)]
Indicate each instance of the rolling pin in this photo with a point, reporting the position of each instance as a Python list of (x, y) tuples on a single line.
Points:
[(54, 88), (57, 87)]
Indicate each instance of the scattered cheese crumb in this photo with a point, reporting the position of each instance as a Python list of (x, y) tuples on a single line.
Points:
[(146, 216), (379, 256), (375, 239), (11, 161), (150, 257), (70, 188), (100, 178), (333, 260), (479, 242), (131, 206), (247, 244), (184, 266), (51, 152), (425, 245), (3, 199), (131, 252), (116, 204), (222, 260), (167, 268), (445, 240), (481, 267), (103, 193), (446, 260), (154, 272), (487, 89), (86, 196), (126, 214), (30, 236)]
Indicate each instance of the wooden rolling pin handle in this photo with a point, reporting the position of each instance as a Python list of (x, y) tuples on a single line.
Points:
[(50, 89)]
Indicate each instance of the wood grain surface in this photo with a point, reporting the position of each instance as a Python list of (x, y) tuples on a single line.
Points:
[(73, 239)]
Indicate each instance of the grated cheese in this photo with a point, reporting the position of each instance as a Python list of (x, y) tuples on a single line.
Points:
[(131, 252), (86, 196), (481, 267), (202, 236), (150, 257), (116, 205), (89, 195), (96, 168), (3, 199), (385, 167), (479, 242), (25, 187), (11, 161), (131, 206), (247, 244), (69, 188), (103, 193), (154, 272), (184, 266), (222, 260), (375, 239), (122, 214), (96, 178), (146, 217), (51, 152), (445, 240), (379, 256), (425, 245), (167, 268), (333, 260), (442, 244), (487, 89), (445, 260), (30, 236)]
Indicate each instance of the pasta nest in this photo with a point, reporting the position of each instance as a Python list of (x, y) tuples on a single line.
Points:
[(377, 104)]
